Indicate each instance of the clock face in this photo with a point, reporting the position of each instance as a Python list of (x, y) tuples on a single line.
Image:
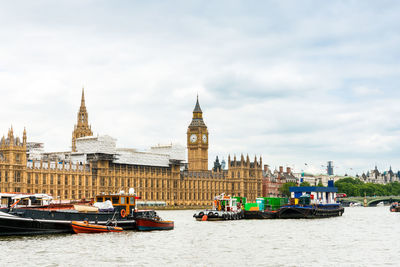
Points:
[(204, 138), (193, 138)]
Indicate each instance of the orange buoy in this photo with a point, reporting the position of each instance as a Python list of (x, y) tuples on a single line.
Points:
[(205, 217), (123, 213)]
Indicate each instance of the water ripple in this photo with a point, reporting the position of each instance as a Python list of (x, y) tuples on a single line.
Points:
[(361, 237)]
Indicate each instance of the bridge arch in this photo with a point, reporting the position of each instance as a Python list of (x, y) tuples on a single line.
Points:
[(374, 201), (371, 201)]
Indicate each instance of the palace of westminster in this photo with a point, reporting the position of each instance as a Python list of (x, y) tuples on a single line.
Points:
[(95, 165)]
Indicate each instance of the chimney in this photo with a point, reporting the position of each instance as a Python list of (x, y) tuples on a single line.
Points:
[(266, 167)]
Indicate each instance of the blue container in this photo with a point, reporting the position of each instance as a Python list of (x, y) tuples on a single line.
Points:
[(260, 203)]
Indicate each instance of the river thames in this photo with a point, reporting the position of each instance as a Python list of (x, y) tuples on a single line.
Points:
[(361, 237)]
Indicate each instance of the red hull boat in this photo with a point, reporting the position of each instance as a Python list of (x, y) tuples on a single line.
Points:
[(85, 227), (149, 224)]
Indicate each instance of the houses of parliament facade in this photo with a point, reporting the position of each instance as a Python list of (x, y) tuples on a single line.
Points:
[(157, 176)]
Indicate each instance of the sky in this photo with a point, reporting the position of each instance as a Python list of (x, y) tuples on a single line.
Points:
[(296, 82)]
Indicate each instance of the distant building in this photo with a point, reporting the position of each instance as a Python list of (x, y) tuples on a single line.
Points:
[(273, 181), (376, 177), (329, 168)]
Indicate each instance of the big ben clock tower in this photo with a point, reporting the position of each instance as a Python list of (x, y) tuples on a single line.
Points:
[(197, 141)]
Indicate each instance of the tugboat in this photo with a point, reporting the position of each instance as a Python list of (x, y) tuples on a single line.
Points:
[(224, 208), (395, 207), (312, 202)]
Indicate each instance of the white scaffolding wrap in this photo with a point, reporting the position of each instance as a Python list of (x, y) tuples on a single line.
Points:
[(161, 155), (101, 144), (126, 156), (175, 151)]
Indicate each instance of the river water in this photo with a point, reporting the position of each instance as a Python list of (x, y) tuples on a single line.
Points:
[(361, 237)]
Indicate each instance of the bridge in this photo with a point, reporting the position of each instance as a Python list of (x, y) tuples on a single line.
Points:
[(371, 201)]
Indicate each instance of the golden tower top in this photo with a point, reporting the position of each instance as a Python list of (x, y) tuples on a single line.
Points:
[(197, 119), (82, 128)]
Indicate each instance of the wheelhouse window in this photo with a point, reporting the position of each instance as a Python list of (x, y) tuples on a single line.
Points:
[(115, 200)]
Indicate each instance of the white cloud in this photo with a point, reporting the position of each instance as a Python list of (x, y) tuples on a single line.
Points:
[(365, 91), (294, 82)]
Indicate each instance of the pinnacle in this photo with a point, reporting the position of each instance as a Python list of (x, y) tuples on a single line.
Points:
[(197, 107)]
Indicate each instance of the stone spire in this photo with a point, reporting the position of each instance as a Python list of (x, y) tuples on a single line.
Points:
[(82, 128), (83, 98), (24, 137), (11, 133)]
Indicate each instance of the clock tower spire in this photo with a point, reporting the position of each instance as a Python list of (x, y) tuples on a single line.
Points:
[(197, 141)]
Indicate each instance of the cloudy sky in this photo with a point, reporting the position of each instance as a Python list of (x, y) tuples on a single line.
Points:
[(294, 81)]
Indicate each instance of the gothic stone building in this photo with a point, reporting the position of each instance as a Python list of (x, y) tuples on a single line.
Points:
[(94, 165)]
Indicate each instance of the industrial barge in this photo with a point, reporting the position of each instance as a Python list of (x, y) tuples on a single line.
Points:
[(305, 203), (312, 202)]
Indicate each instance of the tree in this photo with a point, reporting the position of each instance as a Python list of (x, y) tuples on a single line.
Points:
[(284, 189), (305, 184), (357, 188), (320, 184)]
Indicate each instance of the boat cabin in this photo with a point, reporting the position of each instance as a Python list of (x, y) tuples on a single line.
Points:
[(225, 203), (119, 201), (18, 200), (313, 195)]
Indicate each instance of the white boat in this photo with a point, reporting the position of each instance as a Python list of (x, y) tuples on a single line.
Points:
[(380, 204)]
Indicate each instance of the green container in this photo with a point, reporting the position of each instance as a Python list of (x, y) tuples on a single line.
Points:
[(275, 202)]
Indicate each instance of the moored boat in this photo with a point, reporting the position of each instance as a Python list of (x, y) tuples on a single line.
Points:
[(150, 224), (15, 225), (44, 219), (224, 208), (310, 211), (86, 227), (394, 207), (312, 202)]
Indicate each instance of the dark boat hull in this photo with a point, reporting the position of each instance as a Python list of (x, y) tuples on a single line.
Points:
[(260, 214), (42, 221), (309, 212), (14, 225), (146, 224)]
